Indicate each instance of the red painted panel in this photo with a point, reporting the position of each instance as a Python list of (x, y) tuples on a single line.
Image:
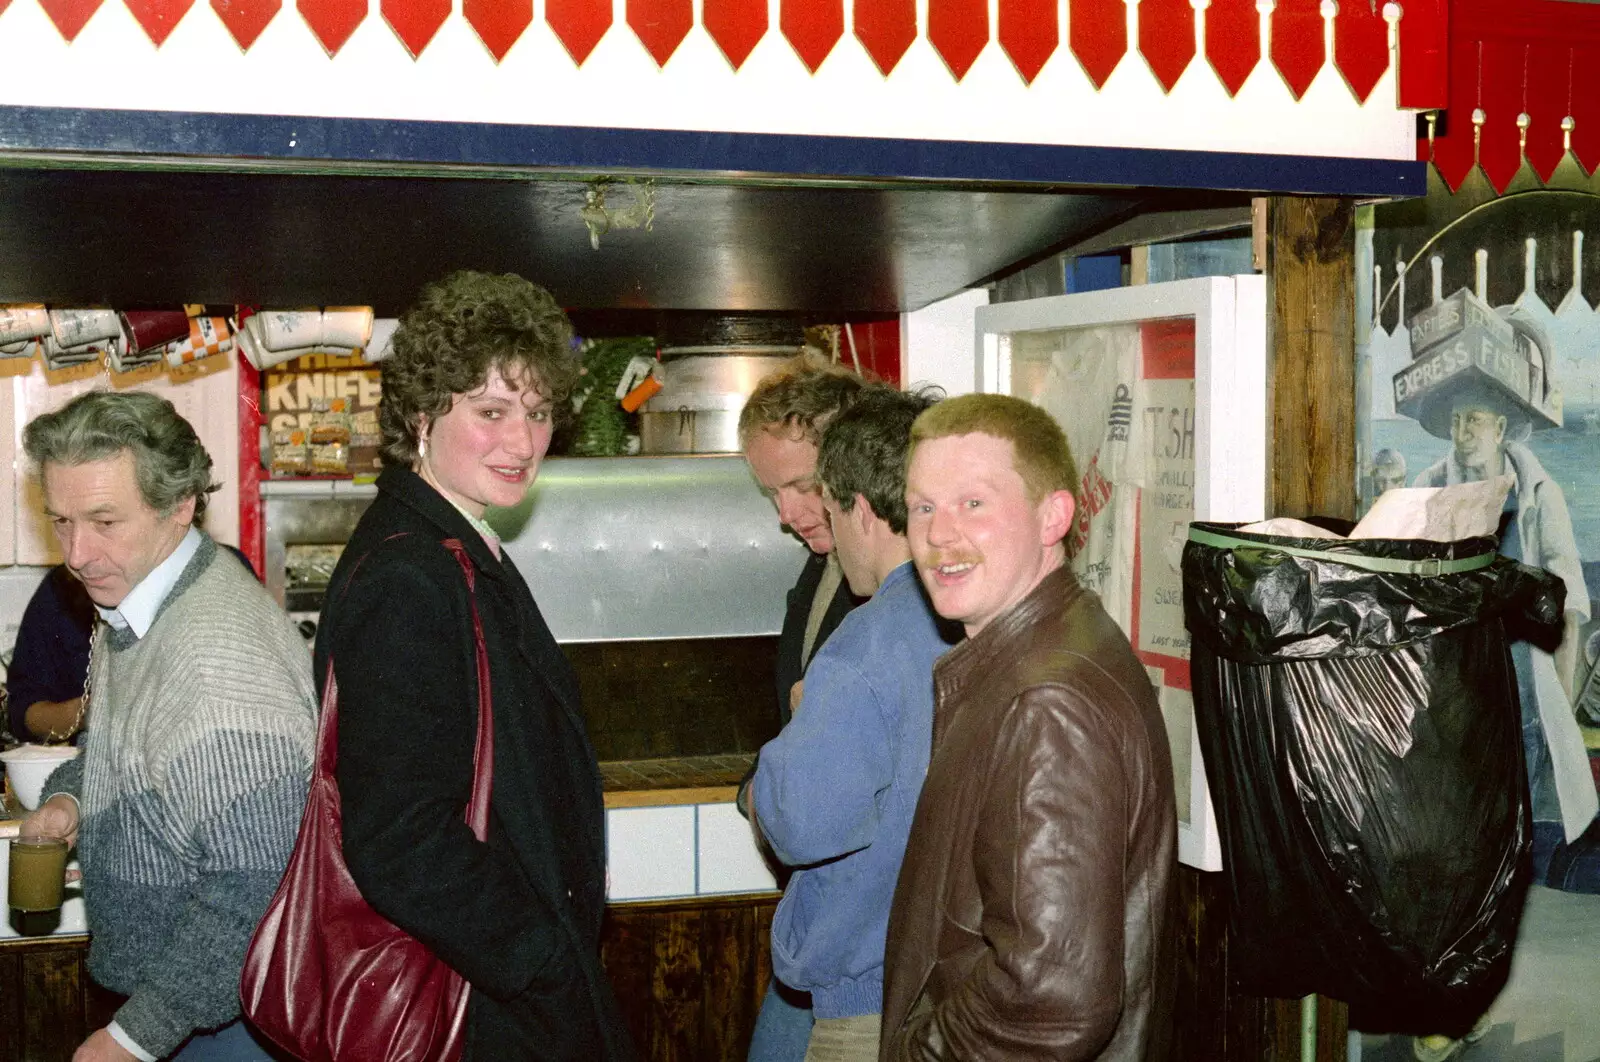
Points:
[(1233, 41), (578, 24), (3, 5), (1030, 33), (958, 30), (1501, 149), (1361, 45), (661, 25), (1166, 38), (70, 15), (415, 21), (252, 537), (1546, 72), (877, 345), (158, 17), (1297, 47), (1097, 31), (812, 28), (245, 19), (1452, 148), (886, 28), (1166, 348), (1586, 107), (736, 25), (332, 21), (498, 23), (1424, 75)]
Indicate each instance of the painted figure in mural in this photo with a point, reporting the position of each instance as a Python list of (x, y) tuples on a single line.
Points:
[(1388, 471), (1488, 428)]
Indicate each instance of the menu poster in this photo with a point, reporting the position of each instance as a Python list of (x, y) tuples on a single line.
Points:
[(1125, 396), (1166, 498), (322, 416)]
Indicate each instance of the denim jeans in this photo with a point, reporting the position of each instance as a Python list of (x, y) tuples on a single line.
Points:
[(783, 1028), (1571, 867)]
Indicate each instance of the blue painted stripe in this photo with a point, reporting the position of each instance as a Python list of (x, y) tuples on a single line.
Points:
[(362, 140)]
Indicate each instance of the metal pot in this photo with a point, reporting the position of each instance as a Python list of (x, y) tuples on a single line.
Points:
[(703, 389)]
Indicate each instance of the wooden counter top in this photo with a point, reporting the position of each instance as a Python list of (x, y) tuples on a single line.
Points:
[(628, 784), (675, 780)]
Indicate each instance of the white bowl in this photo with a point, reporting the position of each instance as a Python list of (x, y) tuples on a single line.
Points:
[(29, 765)]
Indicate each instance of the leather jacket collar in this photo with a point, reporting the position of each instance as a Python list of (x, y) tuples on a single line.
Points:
[(973, 657)]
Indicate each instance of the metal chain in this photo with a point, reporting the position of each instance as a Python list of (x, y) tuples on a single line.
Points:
[(52, 737)]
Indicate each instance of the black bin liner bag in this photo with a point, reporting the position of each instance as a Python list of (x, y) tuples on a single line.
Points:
[(1363, 743)]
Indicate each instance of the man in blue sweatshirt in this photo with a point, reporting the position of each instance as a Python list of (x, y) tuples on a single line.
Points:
[(835, 792)]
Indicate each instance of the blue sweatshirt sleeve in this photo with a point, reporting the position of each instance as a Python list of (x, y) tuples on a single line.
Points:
[(817, 784), (51, 655)]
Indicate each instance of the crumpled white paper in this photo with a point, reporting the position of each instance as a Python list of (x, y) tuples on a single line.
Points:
[(1435, 514)]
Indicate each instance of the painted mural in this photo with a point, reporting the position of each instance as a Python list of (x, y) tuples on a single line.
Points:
[(1481, 357)]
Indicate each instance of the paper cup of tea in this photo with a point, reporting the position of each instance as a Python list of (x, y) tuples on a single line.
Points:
[(28, 767)]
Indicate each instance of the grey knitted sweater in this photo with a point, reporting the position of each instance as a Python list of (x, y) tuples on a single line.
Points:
[(190, 790)]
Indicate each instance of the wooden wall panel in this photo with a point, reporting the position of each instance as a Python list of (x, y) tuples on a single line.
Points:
[(678, 992), (46, 1009), (727, 957), (690, 974), (10, 1005), (626, 948)]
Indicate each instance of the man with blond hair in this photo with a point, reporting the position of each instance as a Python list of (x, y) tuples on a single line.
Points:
[(780, 430), (1030, 920)]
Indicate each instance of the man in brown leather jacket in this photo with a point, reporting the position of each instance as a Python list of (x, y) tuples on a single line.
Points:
[(1030, 920)]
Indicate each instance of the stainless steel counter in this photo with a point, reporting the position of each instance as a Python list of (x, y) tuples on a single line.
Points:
[(615, 549)]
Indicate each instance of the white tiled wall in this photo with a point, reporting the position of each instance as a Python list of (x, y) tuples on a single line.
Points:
[(681, 850), (726, 849), (650, 852)]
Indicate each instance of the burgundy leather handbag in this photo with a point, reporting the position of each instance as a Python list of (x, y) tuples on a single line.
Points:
[(327, 978)]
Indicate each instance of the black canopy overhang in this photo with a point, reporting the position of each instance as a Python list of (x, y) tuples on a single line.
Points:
[(146, 208)]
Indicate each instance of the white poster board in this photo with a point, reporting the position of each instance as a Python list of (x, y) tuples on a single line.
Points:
[(1161, 390)]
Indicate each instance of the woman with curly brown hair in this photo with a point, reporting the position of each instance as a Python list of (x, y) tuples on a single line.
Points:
[(480, 365)]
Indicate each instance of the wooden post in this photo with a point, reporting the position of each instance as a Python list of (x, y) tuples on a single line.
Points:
[(1311, 447), (1311, 374)]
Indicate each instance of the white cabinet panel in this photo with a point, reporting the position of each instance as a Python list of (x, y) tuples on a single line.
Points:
[(650, 852), (727, 854)]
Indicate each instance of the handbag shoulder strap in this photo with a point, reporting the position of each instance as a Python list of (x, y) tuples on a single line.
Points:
[(483, 751), (483, 754)]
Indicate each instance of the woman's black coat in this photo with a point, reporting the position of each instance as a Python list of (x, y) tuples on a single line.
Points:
[(518, 916)]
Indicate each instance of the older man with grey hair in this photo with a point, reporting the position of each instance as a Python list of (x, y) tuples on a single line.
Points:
[(185, 803)]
